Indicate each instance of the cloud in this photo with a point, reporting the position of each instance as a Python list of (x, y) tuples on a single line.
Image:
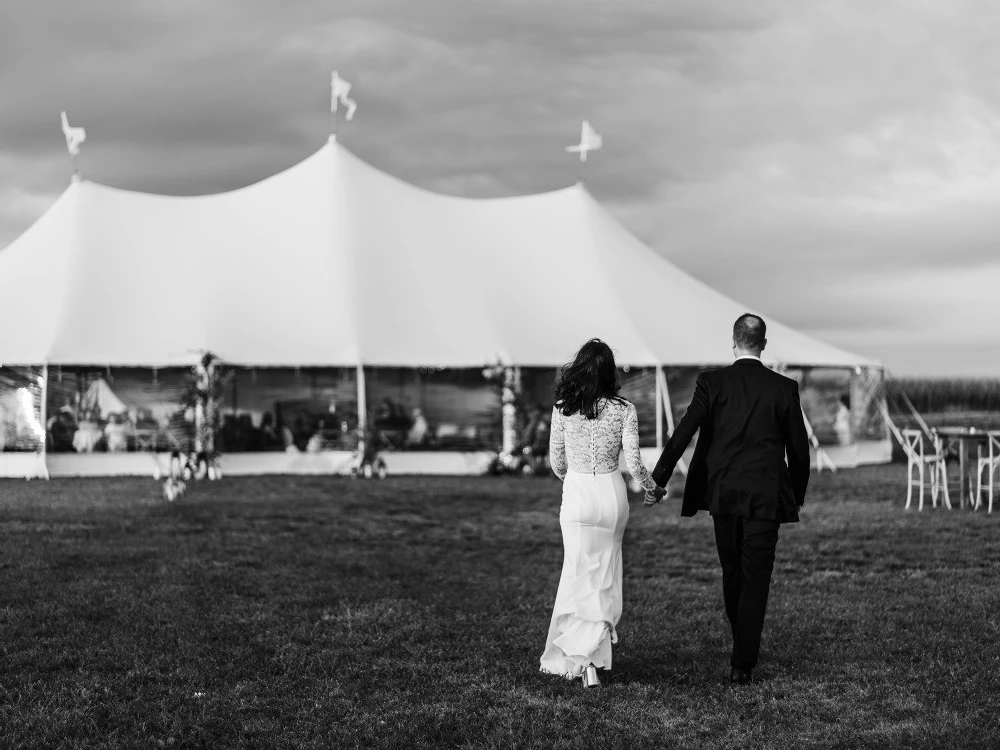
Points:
[(19, 207), (802, 157)]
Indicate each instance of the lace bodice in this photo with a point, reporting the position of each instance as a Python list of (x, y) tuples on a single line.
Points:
[(595, 445)]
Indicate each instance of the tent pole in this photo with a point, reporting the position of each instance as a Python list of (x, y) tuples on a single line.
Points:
[(362, 402), (44, 472), (659, 410), (860, 401), (893, 430), (668, 411), (867, 388), (882, 398), (916, 415), (235, 393), (510, 398), (821, 455)]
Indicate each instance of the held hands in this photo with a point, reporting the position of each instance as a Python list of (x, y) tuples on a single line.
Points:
[(654, 496)]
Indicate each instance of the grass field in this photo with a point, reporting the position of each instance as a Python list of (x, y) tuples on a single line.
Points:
[(320, 612)]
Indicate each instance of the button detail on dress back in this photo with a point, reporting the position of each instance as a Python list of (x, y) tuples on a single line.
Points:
[(593, 445)]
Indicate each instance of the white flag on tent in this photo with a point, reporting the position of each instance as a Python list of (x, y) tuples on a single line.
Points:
[(590, 140), (339, 90), (74, 136)]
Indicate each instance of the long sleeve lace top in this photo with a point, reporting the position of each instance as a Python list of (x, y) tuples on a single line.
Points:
[(595, 445)]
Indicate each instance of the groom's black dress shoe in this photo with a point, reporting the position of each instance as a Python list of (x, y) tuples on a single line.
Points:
[(740, 677)]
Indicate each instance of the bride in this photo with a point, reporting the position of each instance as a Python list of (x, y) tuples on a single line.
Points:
[(591, 425)]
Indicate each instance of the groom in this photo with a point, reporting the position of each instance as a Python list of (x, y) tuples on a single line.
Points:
[(750, 419)]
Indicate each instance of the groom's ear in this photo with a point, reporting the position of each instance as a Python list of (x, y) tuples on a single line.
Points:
[(762, 346)]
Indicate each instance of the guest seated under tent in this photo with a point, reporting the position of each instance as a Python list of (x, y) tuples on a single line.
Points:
[(318, 440), (268, 433), (536, 434), (62, 427), (389, 411), (842, 421), (288, 439), (87, 435), (419, 433), (392, 425), (116, 432)]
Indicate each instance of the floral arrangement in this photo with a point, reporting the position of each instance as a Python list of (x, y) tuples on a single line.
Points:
[(509, 380), (206, 387)]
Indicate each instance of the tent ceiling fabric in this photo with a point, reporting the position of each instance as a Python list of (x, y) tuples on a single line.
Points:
[(334, 263)]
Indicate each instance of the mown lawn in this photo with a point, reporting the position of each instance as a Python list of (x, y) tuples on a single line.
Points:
[(321, 612)]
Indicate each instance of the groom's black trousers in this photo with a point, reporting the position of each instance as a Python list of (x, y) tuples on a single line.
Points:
[(746, 551)]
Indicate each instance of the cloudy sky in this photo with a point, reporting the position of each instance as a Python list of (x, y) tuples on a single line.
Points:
[(832, 163)]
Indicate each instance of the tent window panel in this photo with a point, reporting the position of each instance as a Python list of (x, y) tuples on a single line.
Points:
[(833, 399), (120, 409), (452, 409), (134, 409), (867, 397), (307, 409), (21, 426), (825, 394), (538, 387), (680, 384), (639, 387)]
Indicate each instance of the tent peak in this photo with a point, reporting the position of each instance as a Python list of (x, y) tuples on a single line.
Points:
[(333, 149)]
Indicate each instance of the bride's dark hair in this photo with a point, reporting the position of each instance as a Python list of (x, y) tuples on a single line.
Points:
[(591, 376)]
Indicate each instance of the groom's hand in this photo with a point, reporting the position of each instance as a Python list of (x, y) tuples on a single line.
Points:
[(654, 496)]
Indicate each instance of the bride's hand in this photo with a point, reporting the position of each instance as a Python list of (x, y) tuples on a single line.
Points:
[(654, 496)]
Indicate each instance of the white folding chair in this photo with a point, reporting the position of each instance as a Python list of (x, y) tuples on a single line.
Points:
[(921, 465), (988, 463)]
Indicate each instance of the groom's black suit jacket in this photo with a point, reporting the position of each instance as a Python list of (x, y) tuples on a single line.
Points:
[(749, 417)]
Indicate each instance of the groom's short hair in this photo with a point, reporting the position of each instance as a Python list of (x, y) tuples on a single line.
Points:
[(749, 332)]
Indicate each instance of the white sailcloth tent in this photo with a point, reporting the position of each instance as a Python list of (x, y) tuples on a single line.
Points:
[(375, 271), (358, 269)]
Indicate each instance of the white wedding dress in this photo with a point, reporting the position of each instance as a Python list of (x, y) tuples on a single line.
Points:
[(585, 454)]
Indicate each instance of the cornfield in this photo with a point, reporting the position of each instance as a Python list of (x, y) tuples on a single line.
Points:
[(945, 395)]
